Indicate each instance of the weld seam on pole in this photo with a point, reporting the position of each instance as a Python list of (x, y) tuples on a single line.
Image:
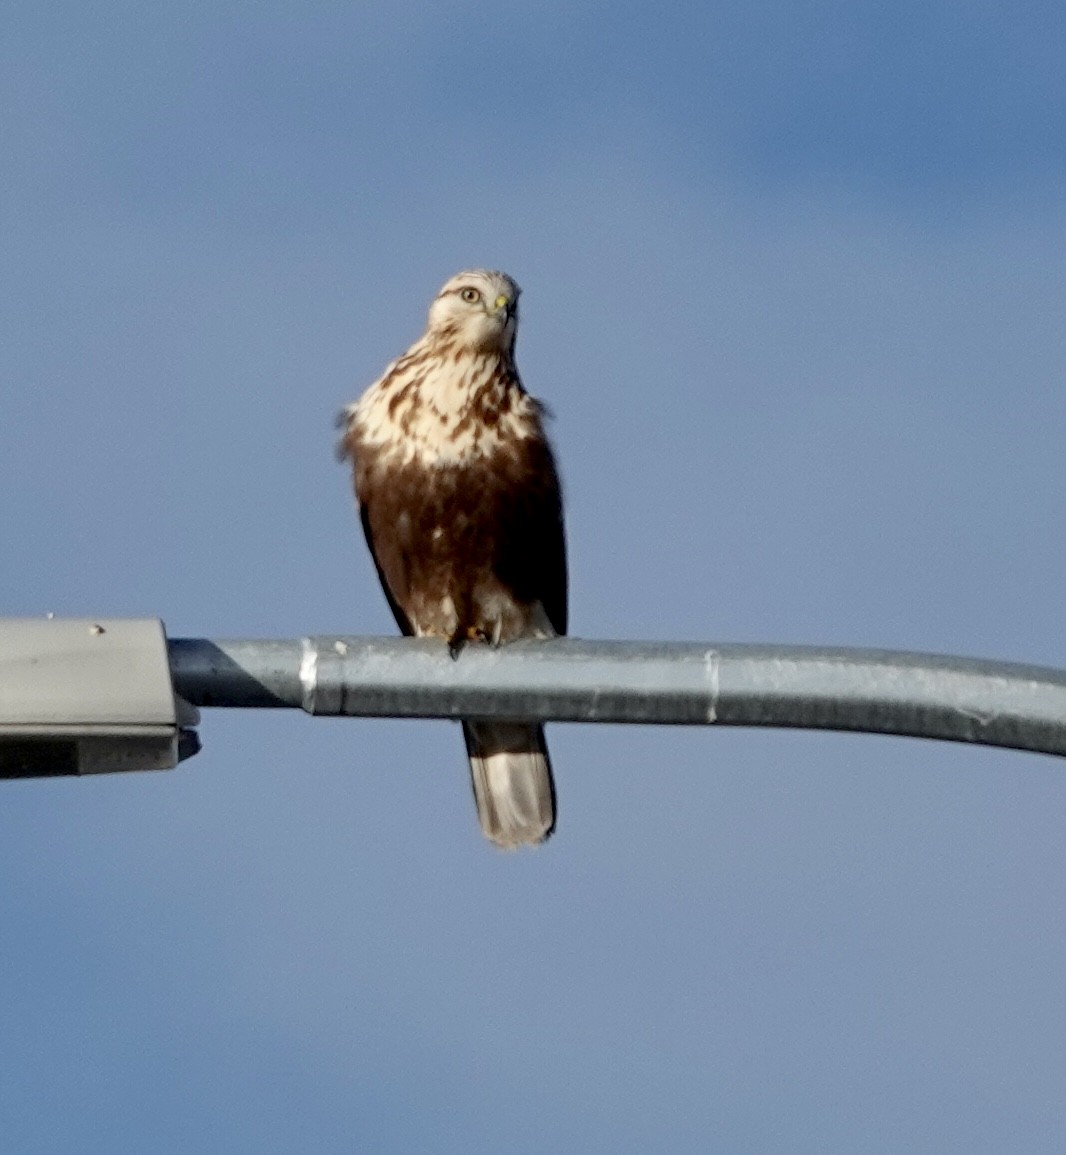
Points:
[(713, 668)]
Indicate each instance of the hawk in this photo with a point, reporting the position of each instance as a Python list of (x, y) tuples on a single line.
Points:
[(460, 502)]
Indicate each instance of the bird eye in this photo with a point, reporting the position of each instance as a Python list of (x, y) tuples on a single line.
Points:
[(470, 295)]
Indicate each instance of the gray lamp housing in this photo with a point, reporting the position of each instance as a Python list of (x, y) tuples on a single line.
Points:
[(89, 696)]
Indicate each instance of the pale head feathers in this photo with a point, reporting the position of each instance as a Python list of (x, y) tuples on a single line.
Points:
[(477, 310), (455, 393)]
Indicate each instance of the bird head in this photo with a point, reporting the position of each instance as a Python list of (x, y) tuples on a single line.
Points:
[(478, 309)]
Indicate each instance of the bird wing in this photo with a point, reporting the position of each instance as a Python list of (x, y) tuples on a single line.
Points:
[(531, 557), (388, 561)]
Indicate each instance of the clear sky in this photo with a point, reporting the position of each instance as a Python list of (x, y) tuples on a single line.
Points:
[(794, 289)]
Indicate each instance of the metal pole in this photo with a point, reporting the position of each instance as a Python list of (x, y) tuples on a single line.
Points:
[(570, 680)]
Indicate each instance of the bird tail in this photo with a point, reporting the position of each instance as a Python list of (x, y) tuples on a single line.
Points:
[(512, 779)]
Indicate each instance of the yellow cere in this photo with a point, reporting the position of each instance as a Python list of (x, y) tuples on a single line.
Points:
[(501, 300)]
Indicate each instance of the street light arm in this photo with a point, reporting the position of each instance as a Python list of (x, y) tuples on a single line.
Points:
[(572, 680)]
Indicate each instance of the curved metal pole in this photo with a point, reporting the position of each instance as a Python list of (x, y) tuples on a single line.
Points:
[(571, 680)]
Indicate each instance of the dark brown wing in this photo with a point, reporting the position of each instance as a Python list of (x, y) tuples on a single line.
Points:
[(372, 492), (386, 494), (531, 551), (387, 560)]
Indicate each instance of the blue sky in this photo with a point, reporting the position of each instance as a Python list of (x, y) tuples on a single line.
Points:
[(794, 290)]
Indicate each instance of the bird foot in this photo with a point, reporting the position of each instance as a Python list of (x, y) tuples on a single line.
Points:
[(472, 634)]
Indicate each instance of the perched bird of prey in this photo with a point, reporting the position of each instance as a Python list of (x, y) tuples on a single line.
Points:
[(459, 498)]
